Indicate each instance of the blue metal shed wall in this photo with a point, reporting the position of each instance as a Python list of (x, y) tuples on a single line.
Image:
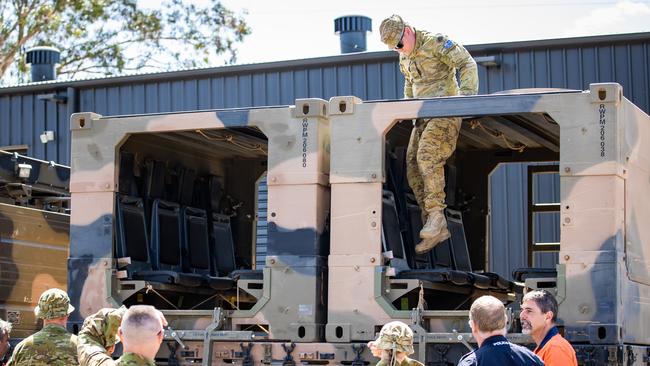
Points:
[(261, 228), (571, 68), (371, 80), (508, 219), (23, 117)]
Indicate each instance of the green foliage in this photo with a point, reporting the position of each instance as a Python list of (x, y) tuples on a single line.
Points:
[(106, 37)]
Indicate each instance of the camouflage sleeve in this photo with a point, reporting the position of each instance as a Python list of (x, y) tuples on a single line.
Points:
[(455, 55), (15, 357), (408, 89), (97, 334)]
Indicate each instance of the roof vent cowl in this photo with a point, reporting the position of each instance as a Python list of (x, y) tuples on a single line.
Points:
[(352, 30), (43, 61)]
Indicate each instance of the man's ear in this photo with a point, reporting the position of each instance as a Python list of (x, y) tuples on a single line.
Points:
[(120, 335), (549, 315)]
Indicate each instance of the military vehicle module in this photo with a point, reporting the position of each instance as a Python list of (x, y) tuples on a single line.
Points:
[(164, 212)]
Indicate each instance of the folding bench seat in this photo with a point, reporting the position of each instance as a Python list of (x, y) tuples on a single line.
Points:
[(132, 240), (450, 258), (196, 248)]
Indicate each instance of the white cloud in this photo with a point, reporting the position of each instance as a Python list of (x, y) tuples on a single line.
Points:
[(625, 16)]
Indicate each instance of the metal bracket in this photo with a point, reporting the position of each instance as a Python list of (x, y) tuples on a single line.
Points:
[(172, 360), (462, 340), (268, 354), (631, 356), (442, 351), (246, 351), (358, 350), (288, 359), (217, 317), (176, 337)]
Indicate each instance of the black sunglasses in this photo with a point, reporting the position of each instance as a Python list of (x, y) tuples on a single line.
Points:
[(399, 44)]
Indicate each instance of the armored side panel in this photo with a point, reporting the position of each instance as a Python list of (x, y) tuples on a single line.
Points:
[(34, 237)]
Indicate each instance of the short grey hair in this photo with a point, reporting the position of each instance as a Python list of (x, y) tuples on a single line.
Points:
[(544, 300), (5, 329)]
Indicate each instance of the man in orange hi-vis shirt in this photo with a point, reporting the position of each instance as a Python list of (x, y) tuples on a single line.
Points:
[(538, 317)]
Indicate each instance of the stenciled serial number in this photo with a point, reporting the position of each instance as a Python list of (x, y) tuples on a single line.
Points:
[(305, 136), (602, 122)]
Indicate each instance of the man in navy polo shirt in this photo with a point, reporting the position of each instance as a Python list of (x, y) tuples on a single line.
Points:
[(487, 318)]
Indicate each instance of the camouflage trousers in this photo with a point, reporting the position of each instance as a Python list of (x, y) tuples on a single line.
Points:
[(432, 143)]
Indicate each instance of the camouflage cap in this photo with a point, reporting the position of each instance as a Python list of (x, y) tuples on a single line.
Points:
[(53, 303), (391, 30), (395, 336)]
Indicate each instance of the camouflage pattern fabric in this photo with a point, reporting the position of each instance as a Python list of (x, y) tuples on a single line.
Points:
[(406, 362), (432, 143), (52, 345), (430, 71), (391, 30), (98, 333), (395, 336), (53, 303), (132, 359)]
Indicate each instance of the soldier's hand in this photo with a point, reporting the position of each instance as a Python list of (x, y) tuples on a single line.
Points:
[(374, 350)]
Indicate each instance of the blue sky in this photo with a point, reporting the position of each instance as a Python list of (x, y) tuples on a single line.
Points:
[(294, 29)]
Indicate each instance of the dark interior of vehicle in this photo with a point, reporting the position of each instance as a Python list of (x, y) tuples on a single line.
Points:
[(186, 213), (455, 270), (187, 203)]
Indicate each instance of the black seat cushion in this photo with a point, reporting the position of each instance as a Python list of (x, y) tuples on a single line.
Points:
[(500, 282), (247, 274), (220, 283), (521, 274), (479, 280), (439, 276)]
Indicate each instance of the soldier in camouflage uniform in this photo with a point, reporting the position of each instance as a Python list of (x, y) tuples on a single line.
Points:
[(394, 345), (52, 345), (5, 331), (141, 333), (98, 336), (429, 63)]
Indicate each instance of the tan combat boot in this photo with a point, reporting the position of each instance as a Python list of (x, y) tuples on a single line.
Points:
[(427, 244), (434, 224), (433, 232)]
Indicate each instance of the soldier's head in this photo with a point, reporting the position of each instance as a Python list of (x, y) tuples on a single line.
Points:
[(397, 34), (538, 313), (487, 317), (395, 340), (53, 306), (141, 331), (5, 329)]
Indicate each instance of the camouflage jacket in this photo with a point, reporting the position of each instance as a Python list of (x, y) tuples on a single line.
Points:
[(52, 345), (430, 69), (98, 334), (132, 359), (406, 362)]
